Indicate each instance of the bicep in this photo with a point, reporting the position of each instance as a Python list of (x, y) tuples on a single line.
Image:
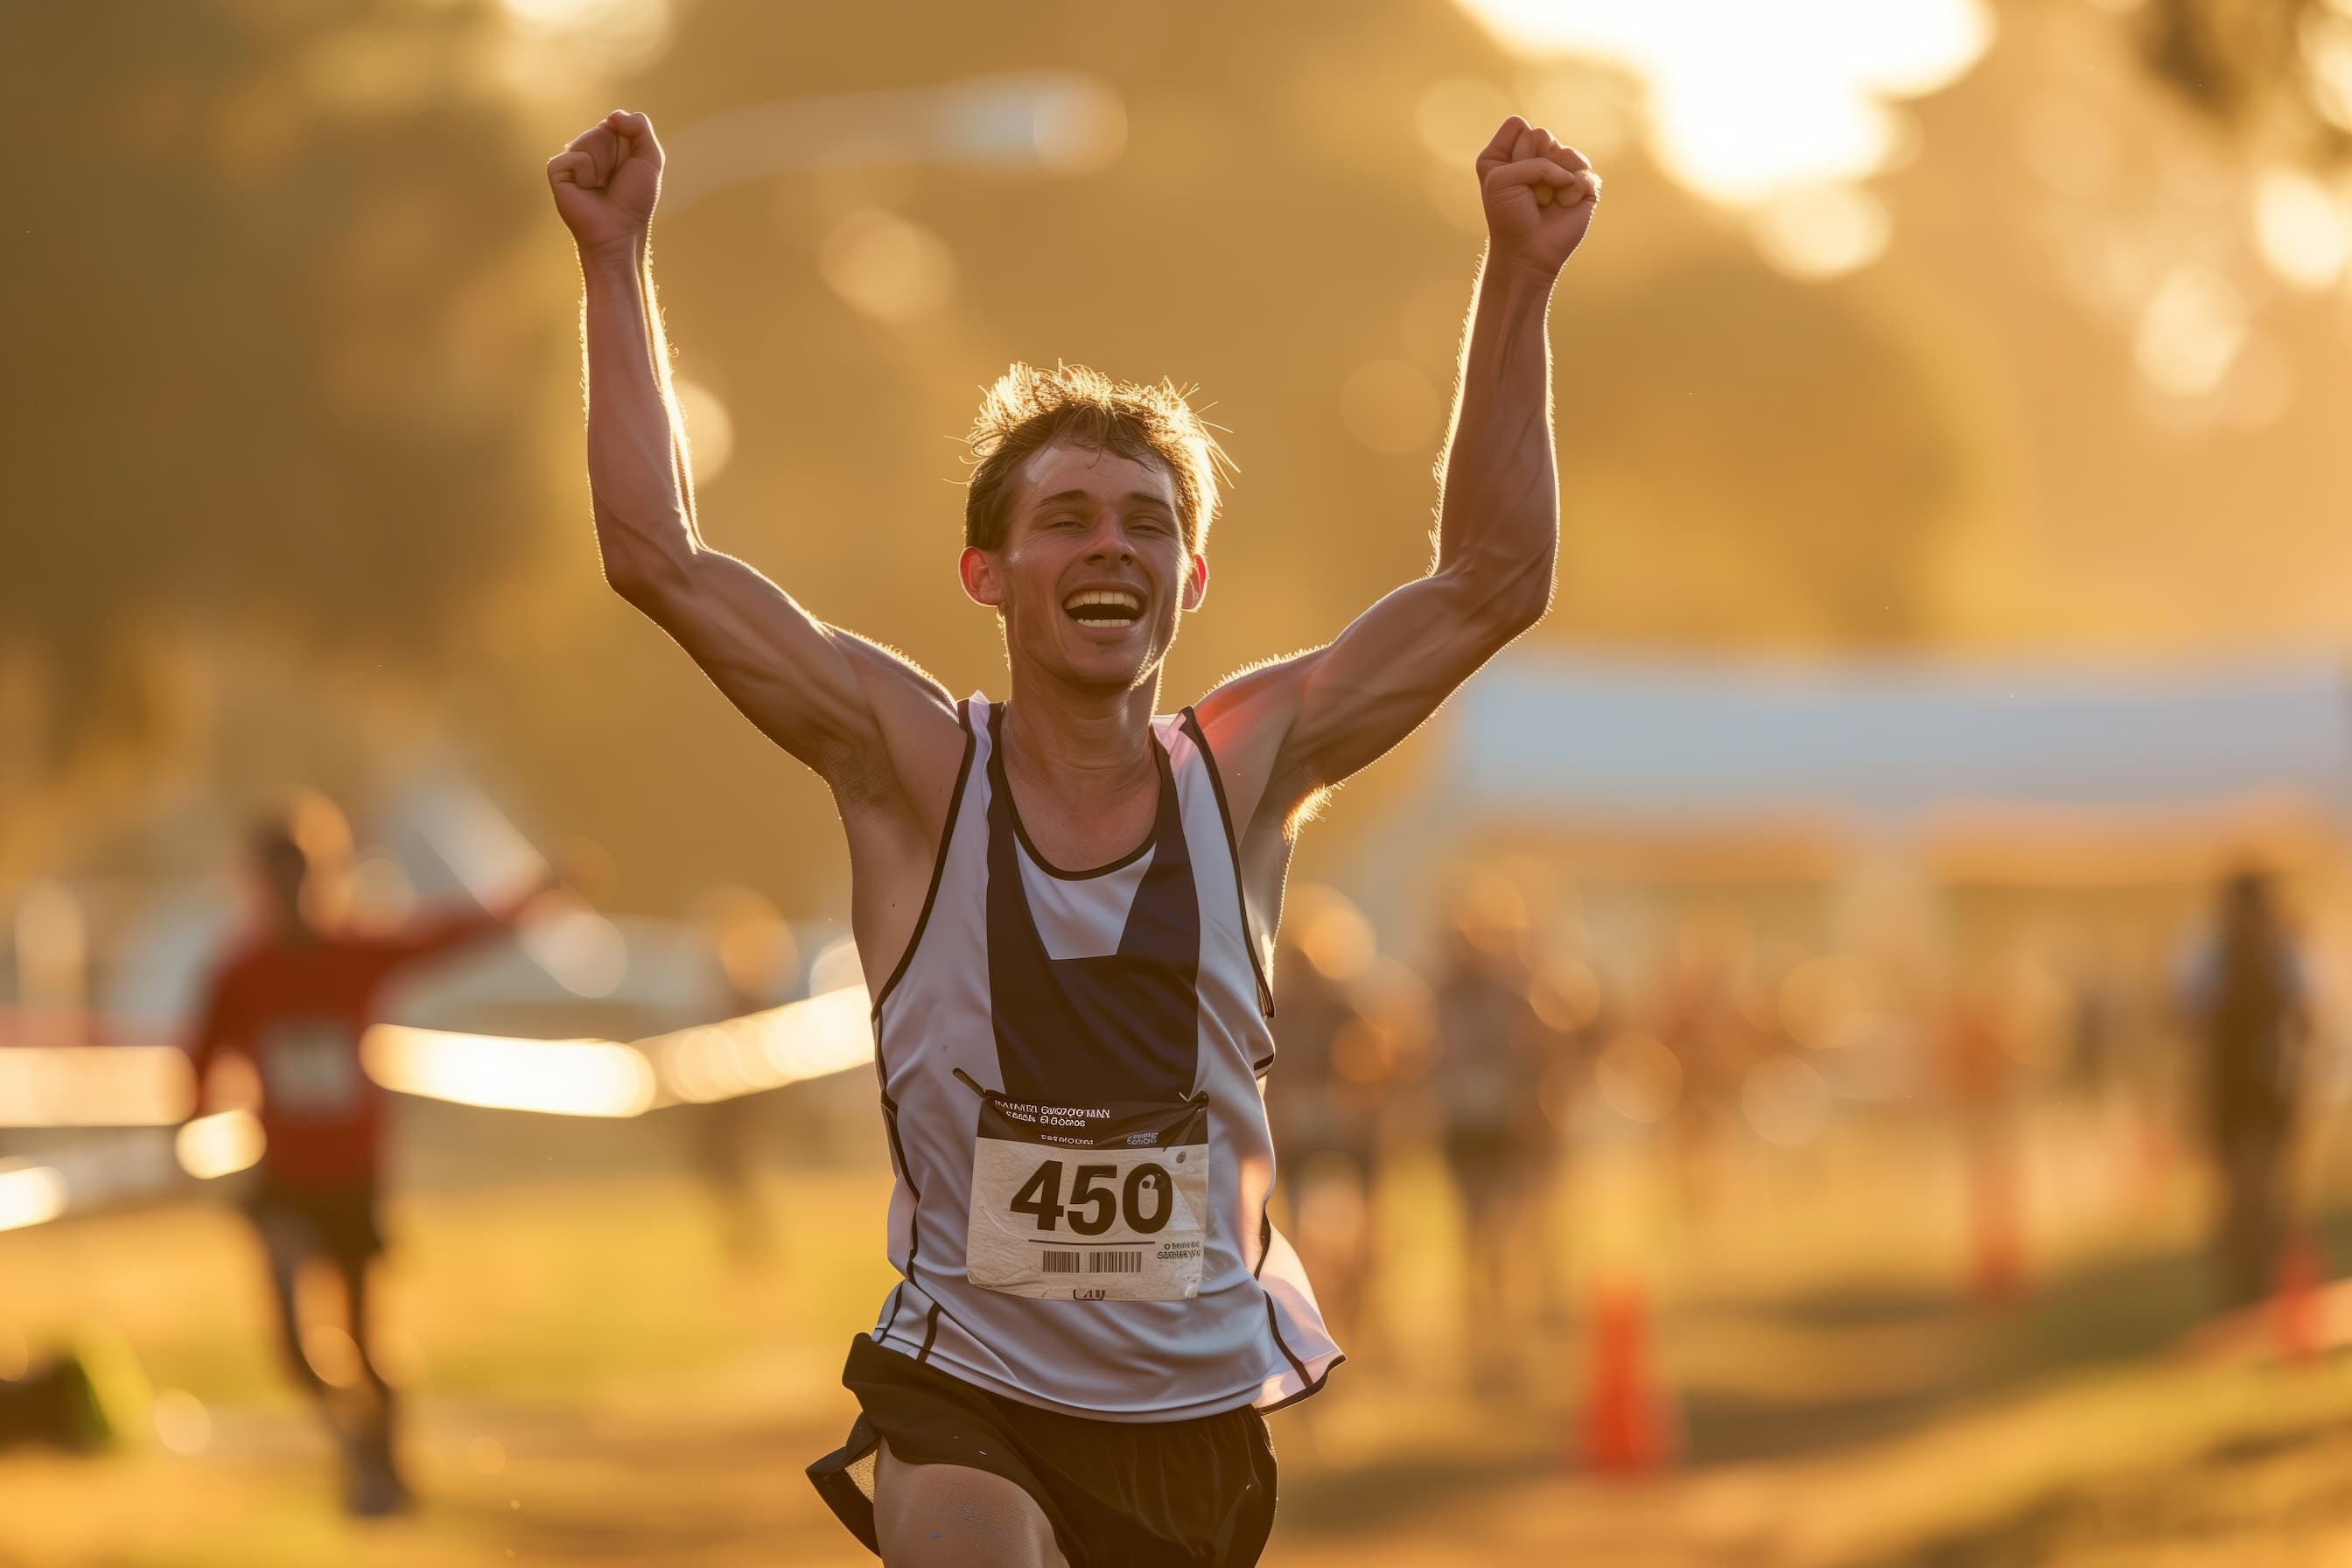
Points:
[(1325, 714), (436, 934), (829, 698)]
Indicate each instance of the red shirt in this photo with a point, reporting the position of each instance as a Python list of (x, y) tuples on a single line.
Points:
[(296, 1008)]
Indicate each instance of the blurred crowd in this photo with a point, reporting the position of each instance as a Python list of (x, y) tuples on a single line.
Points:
[(1513, 1051)]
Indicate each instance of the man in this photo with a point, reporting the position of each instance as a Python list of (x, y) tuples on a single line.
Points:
[(2243, 988), (1492, 1052), (1326, 1105), (1073, 898), (292, 1001)]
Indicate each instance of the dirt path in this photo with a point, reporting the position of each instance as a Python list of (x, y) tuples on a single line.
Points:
[(596, 1383)]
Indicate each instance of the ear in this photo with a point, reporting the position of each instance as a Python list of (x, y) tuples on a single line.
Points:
[(982, 583), (1196, 581)]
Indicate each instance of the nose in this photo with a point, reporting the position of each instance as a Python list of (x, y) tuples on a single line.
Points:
[(1110, 541)]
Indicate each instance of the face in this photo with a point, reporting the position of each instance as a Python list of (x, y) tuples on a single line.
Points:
[(1093, 572)]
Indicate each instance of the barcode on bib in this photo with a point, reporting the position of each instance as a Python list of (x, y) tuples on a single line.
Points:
[(1094, 1263)]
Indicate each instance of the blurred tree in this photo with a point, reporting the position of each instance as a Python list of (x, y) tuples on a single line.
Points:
[(2279, 71), (1798, 491), (274, 360)]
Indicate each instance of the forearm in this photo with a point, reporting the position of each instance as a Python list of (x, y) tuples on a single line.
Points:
[(638, 474), (1498, 517)]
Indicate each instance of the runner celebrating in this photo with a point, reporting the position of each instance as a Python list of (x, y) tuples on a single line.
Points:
[(1073, 898), (293, 999)]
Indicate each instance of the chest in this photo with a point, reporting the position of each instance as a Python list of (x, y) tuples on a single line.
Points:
[(318, 984), (1083, 833)]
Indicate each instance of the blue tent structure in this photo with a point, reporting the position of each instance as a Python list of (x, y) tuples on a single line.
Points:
[(1683, 772), (1542, 735)]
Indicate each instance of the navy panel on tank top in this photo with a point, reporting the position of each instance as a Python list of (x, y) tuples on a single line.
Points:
[(1122, 1026)]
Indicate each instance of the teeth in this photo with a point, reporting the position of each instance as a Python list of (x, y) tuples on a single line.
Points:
[(1100, 597)]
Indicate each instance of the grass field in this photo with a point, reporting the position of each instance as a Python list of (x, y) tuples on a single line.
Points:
[(594, 1379)]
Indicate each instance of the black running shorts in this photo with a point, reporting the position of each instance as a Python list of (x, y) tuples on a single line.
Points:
[(340, 1220), (1118, 1494)]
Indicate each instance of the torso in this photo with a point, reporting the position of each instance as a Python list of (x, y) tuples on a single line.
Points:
[(1114, 974), (297, 1010)]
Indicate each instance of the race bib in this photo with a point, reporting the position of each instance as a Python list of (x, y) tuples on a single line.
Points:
[(1102, 1203), (309, 1068)]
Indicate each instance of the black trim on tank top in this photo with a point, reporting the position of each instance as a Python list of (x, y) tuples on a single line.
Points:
[(1013, 810), (899, 1149), (932, 1332), (1191, 727), (915, 1217), (939, 869), (1273, 1321), (1315, 1387)]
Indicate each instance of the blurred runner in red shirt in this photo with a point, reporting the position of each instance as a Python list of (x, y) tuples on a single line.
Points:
[(293, 999)]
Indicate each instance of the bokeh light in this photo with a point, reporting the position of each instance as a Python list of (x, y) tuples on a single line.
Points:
[(1640, 1078), (711, 432), (29, 1195), (182, 1426), (1745, 101), (888, 267), (221, 1144)]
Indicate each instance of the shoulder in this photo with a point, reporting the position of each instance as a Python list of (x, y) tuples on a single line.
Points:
[(923, 733), (237, 974), (1244, 721), (243, 956)]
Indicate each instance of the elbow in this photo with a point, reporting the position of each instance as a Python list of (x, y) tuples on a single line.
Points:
[(1516, 597), (654, 588), (1528, 603), (634, 581), (646, 574), (647, 557), (1502, 584)]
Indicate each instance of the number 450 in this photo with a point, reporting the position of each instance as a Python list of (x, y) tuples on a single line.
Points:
[(1041, 1196)]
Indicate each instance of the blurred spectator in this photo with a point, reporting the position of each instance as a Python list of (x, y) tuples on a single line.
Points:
[(1492, 1063), (757, 959), (1698, 1018), (2244, 991), (1980, 1076), (1325, 1096), (292, 1001)]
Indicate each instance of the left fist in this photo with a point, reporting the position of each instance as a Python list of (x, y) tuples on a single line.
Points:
[(1538, 194)]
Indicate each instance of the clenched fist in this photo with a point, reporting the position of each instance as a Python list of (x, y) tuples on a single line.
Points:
[(1538, 194), (607, 180)]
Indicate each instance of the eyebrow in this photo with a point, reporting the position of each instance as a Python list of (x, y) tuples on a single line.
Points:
[(1060, 496)]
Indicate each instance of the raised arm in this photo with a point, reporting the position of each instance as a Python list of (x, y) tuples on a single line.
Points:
[(1289, 729), (857, 714)]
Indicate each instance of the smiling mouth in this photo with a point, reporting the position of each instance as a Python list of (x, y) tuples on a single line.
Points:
[(1105, 608)]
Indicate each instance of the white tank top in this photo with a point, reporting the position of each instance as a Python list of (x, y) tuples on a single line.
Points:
[(1060, 1054)]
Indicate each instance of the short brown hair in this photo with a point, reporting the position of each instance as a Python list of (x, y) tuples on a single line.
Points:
[(1030, 409)]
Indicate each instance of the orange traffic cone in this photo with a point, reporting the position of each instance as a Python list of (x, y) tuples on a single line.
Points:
[(1628, 1427), (2295, 1303)]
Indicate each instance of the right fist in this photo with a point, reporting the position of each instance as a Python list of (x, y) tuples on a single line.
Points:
[(606, 181)]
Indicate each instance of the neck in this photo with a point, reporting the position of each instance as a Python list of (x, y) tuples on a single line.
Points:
[(1081, 743)]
